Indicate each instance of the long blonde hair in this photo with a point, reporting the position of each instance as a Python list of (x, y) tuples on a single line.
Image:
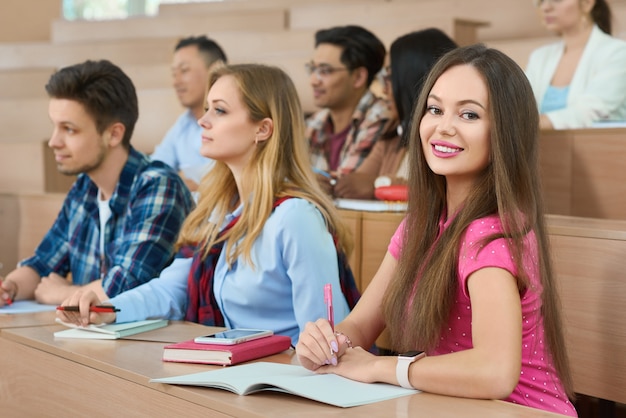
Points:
[(509, 187), (279, 167)]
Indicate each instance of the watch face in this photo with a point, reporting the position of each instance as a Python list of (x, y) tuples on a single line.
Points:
[(411, 354)]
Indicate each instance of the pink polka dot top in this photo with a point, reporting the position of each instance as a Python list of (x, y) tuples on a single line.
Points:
[(538, 386)]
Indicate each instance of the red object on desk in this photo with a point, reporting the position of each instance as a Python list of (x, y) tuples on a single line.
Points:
[(394, 193)]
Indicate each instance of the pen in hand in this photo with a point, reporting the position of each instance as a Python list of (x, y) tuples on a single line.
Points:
[(94, 308), (322, 172), (326, 174), (328, 300)]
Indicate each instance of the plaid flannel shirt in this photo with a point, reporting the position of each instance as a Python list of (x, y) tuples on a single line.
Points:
[(148, 208)]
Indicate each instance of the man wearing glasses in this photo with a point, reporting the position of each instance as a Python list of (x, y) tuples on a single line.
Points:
[(345, 62)]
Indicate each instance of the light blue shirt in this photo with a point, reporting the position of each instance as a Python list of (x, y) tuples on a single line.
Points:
[(294, 257), (554, 99), (180, 148)]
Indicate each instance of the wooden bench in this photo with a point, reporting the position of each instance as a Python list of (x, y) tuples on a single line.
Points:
[(29, 167), (519, 49), (158, 110), (197, 8), (64, 31), (24, 220), (120, 51), (24, 82)]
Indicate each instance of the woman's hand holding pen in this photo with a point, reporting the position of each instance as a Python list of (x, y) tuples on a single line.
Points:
[(85, 316), (324, 351), (320, 346)]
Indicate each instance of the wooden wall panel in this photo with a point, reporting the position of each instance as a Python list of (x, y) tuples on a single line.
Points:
[(589, 263)]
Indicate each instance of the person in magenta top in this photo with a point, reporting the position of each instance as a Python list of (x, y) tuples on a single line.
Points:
[(467, 278)]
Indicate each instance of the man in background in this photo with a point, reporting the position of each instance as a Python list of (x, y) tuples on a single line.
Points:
[(120, 220), (194, 58), (345, 62)]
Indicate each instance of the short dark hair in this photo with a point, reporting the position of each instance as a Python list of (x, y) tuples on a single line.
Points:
[(412, 56), (361, 48), (106, 92), (208, 48)]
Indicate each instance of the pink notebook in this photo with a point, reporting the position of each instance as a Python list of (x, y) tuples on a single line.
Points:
[(225, 355)]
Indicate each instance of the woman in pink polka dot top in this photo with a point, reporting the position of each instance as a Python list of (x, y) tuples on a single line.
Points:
[(467, 277)]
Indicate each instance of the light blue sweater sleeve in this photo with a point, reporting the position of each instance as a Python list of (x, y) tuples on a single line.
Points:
[(162, 297)]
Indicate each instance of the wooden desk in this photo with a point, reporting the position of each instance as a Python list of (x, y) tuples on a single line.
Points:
[(371, 232), (24, 220), (582, 172), (588, 256), (26, 320), (96, 377)]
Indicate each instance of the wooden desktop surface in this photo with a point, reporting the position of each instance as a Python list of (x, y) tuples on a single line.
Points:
[(104, 377), (26, 319)]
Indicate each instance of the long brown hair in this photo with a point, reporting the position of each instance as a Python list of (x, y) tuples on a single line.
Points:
[(509, 187), (279, 167)]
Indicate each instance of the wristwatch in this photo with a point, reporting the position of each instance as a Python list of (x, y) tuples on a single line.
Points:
[(402, 367)]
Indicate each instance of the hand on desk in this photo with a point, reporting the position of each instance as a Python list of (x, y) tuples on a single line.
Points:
[(84, 299), (53, 289), (8, 290), (355, 186)]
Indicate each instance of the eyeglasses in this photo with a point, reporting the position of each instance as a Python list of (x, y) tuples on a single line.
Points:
[(539, 3), (384, 76), (322, 70)]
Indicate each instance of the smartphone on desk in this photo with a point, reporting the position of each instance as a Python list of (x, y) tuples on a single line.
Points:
[(233, 336)]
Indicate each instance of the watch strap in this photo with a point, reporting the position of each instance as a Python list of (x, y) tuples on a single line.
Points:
[(402, 368)]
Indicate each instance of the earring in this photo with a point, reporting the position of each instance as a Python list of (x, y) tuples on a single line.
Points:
[(256, 140)]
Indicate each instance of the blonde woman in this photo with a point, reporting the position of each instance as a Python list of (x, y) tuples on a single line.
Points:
[(259, 247)]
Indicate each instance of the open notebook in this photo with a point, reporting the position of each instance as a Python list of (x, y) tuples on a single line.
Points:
[(110, 331), (327, 388)]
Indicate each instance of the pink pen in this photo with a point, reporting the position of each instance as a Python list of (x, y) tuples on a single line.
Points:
[(328, 300)]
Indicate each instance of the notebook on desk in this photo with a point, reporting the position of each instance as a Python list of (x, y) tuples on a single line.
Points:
[(225, 355), (371, 205), (110, 331), (331, 389)]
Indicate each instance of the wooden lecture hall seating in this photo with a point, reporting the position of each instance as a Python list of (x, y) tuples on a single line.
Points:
[(581, 170)]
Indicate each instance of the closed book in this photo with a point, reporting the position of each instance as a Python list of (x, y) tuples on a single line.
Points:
[(110, 331), (225, 355)]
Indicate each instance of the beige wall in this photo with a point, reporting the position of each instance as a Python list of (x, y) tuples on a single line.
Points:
[(27, 20)]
